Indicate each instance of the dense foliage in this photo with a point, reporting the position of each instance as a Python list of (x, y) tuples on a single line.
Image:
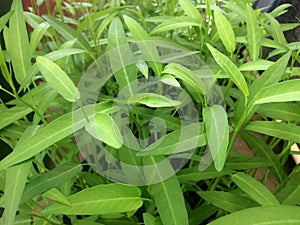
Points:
[(129, 112)]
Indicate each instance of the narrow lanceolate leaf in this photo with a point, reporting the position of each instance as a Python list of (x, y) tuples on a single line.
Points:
[(271, 76), (230, 202), (189, 78), (231, 69), (37, 35), (51, 179), (151, 220), (153, 100), (194, 175), (271, 215), (58, 79), (256, 190), (11, 115), (253, 33), (169, 200), (290, 194), (265, 150), (16, 177), (105, 129), (275, 29), (190, 9), (288, 111), (4, 19), (101, 199), (57, 196), (225, 31), (121, 57), (45, 137), (185, 139), (281, 92), (147, 47), (18, 42), (175, 23), (282, 130), (217, 132), (68, 33)]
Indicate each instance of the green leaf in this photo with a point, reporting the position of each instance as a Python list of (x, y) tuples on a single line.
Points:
[(175, 23), (200, 214), (271, 215), (16, 177), (53, 56), (290, 194), (151, 220), (259, 64), (231, 69), (188, 76), (37, 35), (217, 132), (286, 91), (282, 130), (253, 33), (101, 199), (104, 128), (121, 57), (51, 179), (265, 150), (50, 134), (190, 10), (194, 175), (57, 196), (18, 42), (227, 201), (275, 30), (271, 76), (169, 200), (185, 139), (4, 19), (148, 48), (153, 100), (68, 33), (245, 162), (225, 31), (288, 111), (13, 114), (256, 190), (58, 79)]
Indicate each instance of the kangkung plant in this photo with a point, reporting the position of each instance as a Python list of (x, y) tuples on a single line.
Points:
[(127, 112)]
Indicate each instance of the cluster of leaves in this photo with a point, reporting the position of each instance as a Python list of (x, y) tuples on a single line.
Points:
[(43, 180)]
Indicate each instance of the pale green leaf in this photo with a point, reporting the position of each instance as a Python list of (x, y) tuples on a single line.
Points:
[(58, 79), (217, 132), (49, 135), (282, 130), (18, 42), (286, 91), (271, 215), (169, 200), (227, 201), (105, 129), (175, 23), (51, 179), (37, 35), (253, 33), (4, 19), (225, 31), (148, 48), (68, 33), (256, 190), (57, 196), (231, 69), (101, 199), (153, 100), (190, 9)]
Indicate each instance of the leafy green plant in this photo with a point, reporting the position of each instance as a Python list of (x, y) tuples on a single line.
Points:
[(97, 124)]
